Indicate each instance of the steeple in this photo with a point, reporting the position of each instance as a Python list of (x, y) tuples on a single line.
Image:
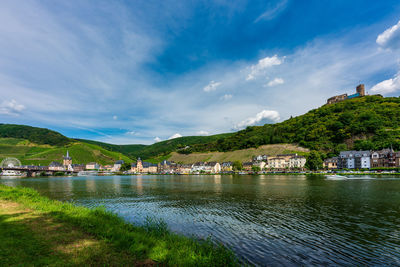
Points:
[(67, 160)]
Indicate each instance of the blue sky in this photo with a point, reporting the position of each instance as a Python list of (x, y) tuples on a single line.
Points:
[(143, 71)]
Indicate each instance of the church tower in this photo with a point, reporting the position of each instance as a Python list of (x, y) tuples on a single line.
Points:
[(139, 165), (67, 160)]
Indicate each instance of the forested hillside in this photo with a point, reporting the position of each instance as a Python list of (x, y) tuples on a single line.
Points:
[(370, 122), (35, 135)]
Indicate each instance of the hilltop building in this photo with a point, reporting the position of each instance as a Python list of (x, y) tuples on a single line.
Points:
[(360, 91)]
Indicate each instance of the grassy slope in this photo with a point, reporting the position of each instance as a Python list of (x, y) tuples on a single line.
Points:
[(241, 155), (28, 237), (30, 153), (152, 241)]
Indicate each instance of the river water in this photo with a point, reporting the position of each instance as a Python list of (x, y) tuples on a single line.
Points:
[(266, 220)]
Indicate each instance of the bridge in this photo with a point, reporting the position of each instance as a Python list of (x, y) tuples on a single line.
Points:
[(13, 164), (34, 170)]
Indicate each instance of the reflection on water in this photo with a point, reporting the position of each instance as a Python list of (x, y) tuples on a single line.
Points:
[(267, 220)]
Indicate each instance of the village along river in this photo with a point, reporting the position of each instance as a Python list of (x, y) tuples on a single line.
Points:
[(266, 220)]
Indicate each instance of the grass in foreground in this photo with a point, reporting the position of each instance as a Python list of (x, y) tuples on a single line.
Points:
[(35, 230)]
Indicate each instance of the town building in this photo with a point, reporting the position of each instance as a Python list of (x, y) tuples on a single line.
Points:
[(277, 163), (297, 162), (354, 160), (213, 167), (227, 166), (260, 164), (385, 158), (331, 163), (207, 167), (397, 159), (260, 158), (149, 167), (167, 167), (198, 167), (117, 165), (56, 166), (247, 166), (92, 166), (184, 168), (78, 167), (144, 167)]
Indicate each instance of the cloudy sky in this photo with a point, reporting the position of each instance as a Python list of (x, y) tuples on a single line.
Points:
[(144, 71)]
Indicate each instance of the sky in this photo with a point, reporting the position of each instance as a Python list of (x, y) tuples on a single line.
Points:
[(139, 72)]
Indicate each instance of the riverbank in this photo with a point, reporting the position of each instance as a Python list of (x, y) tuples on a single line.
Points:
[(38, 231)]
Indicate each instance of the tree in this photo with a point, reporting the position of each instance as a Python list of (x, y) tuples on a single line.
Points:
[(314, 161), (255, 168), (237, 165), (125, 167)]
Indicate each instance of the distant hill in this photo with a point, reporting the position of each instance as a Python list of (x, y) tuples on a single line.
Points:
[(35, 135)]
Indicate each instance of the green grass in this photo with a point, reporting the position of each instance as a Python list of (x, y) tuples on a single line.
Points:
[(151, 241)]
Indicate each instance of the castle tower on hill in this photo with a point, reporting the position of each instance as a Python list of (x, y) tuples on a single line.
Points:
[(360, 89), (360, 92), (67, 160)]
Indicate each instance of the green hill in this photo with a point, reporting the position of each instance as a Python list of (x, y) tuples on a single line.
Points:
[(35, 135), (33, 154)]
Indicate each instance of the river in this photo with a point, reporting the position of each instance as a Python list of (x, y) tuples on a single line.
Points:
[(266, 220)]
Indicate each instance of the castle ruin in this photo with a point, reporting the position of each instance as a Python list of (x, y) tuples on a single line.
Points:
[(360, 91)]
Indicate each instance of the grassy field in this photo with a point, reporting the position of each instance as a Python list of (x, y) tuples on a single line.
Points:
[(33, 154), (36, 231), (242, 155)]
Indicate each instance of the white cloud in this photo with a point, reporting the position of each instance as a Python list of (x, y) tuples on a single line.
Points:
[(177, 135), (273, 12), (212, 86), (390, 38), (11, 108), (261, 117), (202, 133), (387, 86), (262, 65), (157, 139), (115, 117), (132, 133), (275, 82), (226, 97)]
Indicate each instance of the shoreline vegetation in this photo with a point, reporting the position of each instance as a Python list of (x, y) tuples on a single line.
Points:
[(36, 230)]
